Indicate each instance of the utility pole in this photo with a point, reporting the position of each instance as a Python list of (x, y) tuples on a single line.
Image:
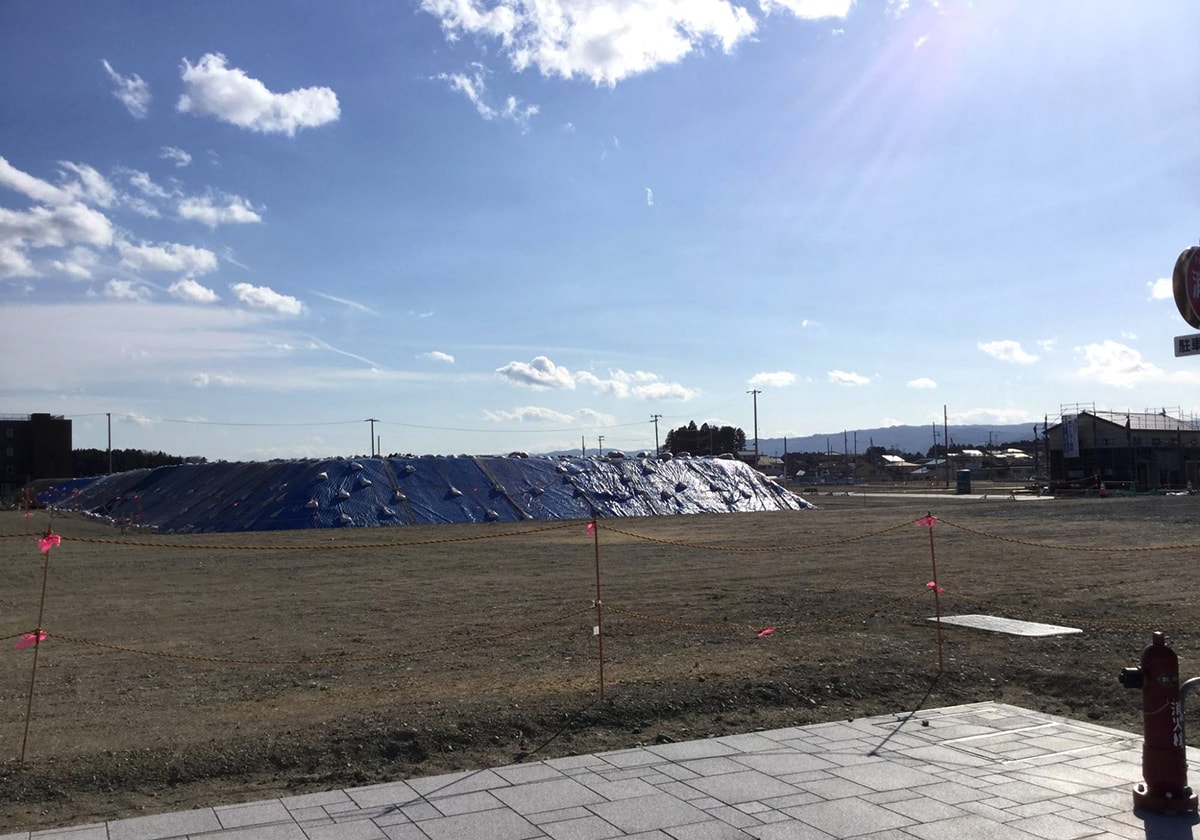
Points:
[(582, 447), (601, 439), (754, 394), (946, 441), (372, 421), (654, 418), (109, 416)]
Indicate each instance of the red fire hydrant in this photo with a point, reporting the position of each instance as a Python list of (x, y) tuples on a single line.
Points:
[(1164, 750)]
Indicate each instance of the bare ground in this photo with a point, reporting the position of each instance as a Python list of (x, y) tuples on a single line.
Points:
[(380, 654)]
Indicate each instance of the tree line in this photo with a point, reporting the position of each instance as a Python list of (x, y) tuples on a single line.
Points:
[(705, 440), (86, 462)]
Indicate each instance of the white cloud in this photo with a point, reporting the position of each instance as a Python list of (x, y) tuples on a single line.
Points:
[(602, 40), (1162, 289), (132, 92), (922, 383), (639, 383), (474, 87), (175, 154), (810, 9), (265, 298), (14, 262), (842, 377), (228, 94), (664, 391), (189, 290), (1047, 344), (203, 380), (897, 8), (88, 186), (218, 209), (1007, 350), (920, 42), (617, 386), (596, 418), (31, 187), (539, 373), (649, 197), (1112, 363), (532, 413), (179, 259), (437, 356), (77, 265), (125, 290), (776, 379), (54, 227)]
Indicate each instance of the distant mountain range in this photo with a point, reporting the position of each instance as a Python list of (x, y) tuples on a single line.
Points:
[(909, 439), (916, 439)]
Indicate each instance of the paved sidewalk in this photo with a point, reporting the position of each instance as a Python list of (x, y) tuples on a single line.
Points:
[(983, 771)]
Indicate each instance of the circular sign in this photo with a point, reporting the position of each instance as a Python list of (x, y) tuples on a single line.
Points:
[(1185, 283)]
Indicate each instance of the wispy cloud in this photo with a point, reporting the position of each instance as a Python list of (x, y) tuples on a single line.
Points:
[(1007, 350), (474, 87), (349, 304), (649, 197), (319, 344), (532, 413), (776, 379), (131, 91), (810, 9), (922, 383), (176, 155), (842, 377), (213, 89), (437, 356)]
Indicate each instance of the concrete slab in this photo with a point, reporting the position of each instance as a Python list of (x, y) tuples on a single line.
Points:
[(996, 624), (983, 771)]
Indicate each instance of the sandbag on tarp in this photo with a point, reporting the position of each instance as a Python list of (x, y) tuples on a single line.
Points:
[(370, 492)]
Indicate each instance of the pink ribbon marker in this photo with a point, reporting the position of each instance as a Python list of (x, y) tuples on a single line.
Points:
[(766, 632), (928, 521), (933, 585), (48, 542), (591, 528), (29, 639)]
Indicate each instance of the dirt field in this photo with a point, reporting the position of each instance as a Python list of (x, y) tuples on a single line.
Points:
[(377, 654)]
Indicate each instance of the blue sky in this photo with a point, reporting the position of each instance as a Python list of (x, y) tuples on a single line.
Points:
[(244, 228)]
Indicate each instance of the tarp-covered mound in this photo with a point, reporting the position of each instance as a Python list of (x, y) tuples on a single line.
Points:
[(275, 495)]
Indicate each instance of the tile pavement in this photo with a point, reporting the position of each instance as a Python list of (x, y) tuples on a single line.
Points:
[(983, 771)]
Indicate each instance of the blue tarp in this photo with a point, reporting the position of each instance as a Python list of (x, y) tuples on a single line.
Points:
[(276, 495)]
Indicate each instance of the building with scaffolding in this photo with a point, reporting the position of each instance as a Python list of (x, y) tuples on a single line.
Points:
[(1140, 451)]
